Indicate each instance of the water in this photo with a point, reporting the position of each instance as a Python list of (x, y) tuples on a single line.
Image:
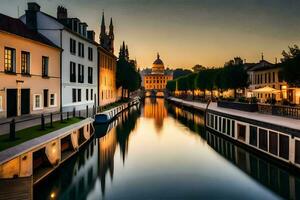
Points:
[(159, 151)]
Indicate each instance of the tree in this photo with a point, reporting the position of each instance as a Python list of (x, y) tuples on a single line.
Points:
[(179, 72), (197, 68), (127, 75), (291, 66), (191, 79)]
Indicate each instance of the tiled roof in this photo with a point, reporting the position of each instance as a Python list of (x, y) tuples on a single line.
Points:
[(17, 27)]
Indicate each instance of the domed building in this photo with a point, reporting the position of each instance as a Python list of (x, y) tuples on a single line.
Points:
[(158, 78)]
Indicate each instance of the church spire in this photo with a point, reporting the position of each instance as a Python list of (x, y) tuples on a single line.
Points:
[(158, 56), (103, 24)]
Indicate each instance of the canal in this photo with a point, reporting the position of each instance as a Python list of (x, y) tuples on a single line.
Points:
[(159, 151)]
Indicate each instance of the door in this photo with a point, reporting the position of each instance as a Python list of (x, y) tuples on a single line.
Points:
[(46, 98), (11, 102), (25, 101)]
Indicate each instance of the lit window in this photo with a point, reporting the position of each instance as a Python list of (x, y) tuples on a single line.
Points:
[(10, 60), (25, 62)]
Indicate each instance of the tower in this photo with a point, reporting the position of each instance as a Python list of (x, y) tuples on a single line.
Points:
[(103, 31), (111, 36)]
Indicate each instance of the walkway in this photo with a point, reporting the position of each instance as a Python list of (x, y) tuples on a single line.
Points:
[(271, 119)]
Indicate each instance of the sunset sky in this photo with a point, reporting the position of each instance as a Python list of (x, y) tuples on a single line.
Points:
[(187, 32)]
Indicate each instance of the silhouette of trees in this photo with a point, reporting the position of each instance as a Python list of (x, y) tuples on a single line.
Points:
[(291, 66)]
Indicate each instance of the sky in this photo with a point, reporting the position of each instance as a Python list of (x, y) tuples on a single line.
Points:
[(187, 32)]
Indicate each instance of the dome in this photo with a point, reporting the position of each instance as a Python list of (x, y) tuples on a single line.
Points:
[(158, 65), (158, 61)]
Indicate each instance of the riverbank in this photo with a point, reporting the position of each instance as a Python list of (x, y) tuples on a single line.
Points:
[(274, 136)]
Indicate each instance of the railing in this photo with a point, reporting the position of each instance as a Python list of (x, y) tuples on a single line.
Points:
[(43, 120), (285, 111)]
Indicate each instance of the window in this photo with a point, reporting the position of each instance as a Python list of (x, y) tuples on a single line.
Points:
[(284, 147), (72, 46), (73, 95), (72, 72), (52, 100), (297, 151), (224, 125), (79, 95), (25, 62), (273, 143), (228, 127), (90, 75), (92, 94), (87, 94), (80, 73), (220, 124), (241, 129), (233, 128), (216, 122), (45, 63), (37, 101), (90, 53), (9, 60), (80, 49), (263, 139), (253, 135), (45, 98)]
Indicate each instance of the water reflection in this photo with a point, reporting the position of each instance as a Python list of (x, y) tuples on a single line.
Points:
[(270, 175), (80, 175), (154, 109)]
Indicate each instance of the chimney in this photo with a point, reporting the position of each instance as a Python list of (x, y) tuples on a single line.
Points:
[(31, 15), (91, 35), (62, 12)]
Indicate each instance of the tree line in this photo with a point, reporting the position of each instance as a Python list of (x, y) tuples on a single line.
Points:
[(234, 76), (231, 76)]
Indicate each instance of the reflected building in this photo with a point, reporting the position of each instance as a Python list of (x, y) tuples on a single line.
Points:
[(107, 149), (155, 109)]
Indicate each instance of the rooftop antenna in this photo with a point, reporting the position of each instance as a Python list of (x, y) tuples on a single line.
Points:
[(275, 60), (262, 56)]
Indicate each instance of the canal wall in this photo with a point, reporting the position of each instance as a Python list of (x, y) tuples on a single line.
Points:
[(274, 136), (40, 156)]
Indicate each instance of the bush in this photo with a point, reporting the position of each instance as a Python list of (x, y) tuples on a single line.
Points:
[(243, 100), (253, 100), (271, 101)]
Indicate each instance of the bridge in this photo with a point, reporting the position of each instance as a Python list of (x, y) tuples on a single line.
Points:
[(155, 93)]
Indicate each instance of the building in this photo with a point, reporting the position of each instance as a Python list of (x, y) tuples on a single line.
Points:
[(79, 63), (266, 75), (29, 70), (158, 78), (107, 89)]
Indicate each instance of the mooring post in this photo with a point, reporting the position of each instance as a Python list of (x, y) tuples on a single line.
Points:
[(12, 131), (51, 120), (74, 112), (87, 111), (42, 122), (61, 117)]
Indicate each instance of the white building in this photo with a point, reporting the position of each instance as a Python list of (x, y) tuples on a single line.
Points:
[(79, 60)]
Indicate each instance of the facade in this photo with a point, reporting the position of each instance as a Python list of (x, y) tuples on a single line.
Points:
[(29, 70), (266, 74), (107, 89), (79, 64), (158, 78)]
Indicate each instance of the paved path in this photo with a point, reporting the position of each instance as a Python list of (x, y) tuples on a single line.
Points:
[(27, 121), (271, 119)]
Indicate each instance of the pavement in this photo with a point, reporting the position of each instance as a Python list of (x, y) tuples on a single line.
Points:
[(271, 119)]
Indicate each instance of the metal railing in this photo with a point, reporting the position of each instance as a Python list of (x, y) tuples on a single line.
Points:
[(278, 110), (42, 120)]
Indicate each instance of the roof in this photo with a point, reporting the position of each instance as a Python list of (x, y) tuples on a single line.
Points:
[(158, 61), (64, 23), (262, 65), (17, 27)]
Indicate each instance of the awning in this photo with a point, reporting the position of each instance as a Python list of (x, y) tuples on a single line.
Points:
[(266, 89)]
